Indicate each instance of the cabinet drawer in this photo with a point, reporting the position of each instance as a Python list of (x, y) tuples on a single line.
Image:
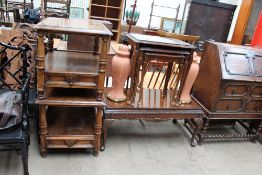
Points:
[(235, 90), (229, 105), (256, 91), (72, 81), (254, 106)]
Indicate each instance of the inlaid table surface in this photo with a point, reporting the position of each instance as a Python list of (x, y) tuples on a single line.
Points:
[(76, 26), (151, 104), (158, 41)]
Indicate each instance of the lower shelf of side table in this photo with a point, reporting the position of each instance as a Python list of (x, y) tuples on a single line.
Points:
[(70, 127)]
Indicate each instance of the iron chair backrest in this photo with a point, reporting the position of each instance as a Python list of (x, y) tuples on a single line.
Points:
[(17, 76)]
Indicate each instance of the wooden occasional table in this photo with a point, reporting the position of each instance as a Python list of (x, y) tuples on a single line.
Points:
[(70, 86), (158, 48), (154, 106)]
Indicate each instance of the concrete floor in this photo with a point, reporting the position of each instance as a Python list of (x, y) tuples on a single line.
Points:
[(158, 149)]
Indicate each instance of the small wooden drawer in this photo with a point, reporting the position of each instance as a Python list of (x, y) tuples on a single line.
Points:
[(229, 105), (256, 91), (254, 106), (235, 90), (72, 81)]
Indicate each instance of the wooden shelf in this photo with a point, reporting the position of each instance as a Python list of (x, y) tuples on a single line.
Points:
[(113, 7), (112, 19), (98, 5), (70, 97), (97, 17), (77, 124), (82, 63), (70, 121)]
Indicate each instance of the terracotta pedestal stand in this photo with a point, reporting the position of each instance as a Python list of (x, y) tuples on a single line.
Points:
[(193, 72), (121, 66)]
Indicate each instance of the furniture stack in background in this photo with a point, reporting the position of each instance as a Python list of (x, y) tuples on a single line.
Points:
[(109, 10)]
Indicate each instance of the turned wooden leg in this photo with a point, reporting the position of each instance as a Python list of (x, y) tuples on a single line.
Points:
[(40, 66), (143, 73), (184, 69), (102, 69), (199, 126), (42, 130), (132, 92), (98, 131), (104, 136)]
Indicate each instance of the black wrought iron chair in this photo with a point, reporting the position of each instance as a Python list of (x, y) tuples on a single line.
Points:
[(15, 137)]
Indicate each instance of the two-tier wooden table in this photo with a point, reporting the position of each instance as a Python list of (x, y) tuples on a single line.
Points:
[(70, 86), (154, 106)]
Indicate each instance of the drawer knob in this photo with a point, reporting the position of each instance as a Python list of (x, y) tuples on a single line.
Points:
[(257, 109), (227, 107), (233, 92), (70, 79)]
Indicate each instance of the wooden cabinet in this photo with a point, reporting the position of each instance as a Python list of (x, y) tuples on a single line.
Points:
[(70, 86), (209, 19), (229, 87), (233, 72), (110, 10)]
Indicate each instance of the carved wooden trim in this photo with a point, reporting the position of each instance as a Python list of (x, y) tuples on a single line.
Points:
[(151, 112), (70, 143)]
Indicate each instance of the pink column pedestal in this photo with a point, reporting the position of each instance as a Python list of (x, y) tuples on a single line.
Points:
[(193, 72), (121, 66)]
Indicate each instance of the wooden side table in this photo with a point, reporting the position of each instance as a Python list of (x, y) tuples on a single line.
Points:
[(161, 48), (70, 86)]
